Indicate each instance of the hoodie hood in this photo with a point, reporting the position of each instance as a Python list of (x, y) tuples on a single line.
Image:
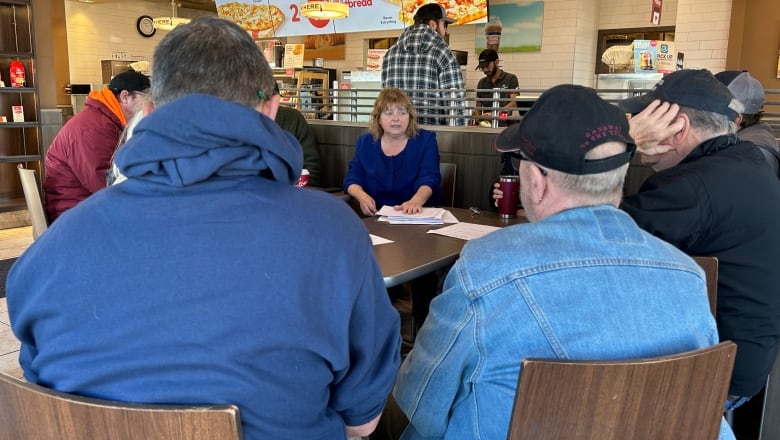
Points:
[(196, 137), (419, 38)]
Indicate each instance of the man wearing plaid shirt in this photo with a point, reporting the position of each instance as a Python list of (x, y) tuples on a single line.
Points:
[(421, 60)]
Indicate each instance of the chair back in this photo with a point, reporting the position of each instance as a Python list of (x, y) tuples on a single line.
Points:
[(32, 412), (448, 171), (679, 396), (32, 197), (710, 266)]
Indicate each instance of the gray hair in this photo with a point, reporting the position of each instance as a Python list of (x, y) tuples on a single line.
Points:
[(710, 124), (212, 56), (595, 189)]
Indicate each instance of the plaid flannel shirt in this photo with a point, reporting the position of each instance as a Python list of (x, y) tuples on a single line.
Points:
[(421, 61)]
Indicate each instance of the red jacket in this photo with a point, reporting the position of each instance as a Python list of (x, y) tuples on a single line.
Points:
[(77, 159)]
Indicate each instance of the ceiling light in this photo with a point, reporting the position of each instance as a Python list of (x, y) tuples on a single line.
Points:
[(325, 10), (168, 23)]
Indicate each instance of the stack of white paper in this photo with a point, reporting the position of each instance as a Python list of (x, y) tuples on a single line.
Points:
[(428, 216)]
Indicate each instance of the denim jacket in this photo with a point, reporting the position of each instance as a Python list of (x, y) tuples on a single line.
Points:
[(586, 283)]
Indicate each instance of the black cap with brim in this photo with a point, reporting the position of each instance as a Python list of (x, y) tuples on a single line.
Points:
[(486, 57), (432, 11), (696, 89), (564, 124)]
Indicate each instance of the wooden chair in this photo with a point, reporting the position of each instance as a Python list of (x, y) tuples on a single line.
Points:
[(710, 266), (32, 412), (448, 171), (32, 196), (670, 397)]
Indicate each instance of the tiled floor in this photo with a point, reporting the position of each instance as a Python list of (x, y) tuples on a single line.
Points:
[(12, 243)]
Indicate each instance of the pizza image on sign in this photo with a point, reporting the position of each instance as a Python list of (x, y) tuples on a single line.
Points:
[(462, 11), (261, 20)]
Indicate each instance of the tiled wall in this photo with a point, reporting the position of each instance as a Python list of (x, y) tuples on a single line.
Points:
[(95, 30), (568, 37), (702, 32)]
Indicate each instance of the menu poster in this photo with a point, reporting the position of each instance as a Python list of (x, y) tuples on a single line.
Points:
[(654, 56), (283, 18), (374, 59), (293, 56)]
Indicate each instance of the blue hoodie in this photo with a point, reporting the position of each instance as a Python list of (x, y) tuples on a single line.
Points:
[(207, 277)]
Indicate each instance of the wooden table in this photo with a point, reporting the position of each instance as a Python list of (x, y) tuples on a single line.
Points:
[(414, 252)]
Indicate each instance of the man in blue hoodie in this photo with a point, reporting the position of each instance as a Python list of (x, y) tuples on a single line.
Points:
[(206, 276), (420, 61)]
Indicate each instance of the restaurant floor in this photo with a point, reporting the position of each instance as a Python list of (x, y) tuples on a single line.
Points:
[(13, 242)]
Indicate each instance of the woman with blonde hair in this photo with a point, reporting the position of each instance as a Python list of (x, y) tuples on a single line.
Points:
[(396, 163)]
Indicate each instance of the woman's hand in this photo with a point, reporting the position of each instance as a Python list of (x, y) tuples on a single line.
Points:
[(410, 206), (497, 194), (367, 204)]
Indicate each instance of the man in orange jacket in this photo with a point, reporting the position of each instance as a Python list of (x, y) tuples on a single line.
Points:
[(78, 158)]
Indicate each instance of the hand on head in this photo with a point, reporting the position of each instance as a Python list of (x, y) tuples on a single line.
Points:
[(657, 122)]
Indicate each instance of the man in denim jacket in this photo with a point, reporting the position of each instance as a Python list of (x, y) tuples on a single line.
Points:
[(582, 281)]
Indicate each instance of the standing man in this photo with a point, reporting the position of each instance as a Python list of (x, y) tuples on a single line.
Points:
[(495, 78), (750, 93), (79, 156), (581, 281), (206, 276), (421, 60), (713, 195)]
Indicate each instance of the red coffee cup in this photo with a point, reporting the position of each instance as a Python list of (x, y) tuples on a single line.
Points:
[(303, 181), (510, 186)]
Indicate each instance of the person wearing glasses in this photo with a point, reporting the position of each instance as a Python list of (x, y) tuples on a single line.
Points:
[(396, 163), (580, 281), (80, 155), (421, 63)]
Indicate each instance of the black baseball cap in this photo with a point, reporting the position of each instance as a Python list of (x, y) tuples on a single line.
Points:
[(564, 124), (131, 81), (486, 57), (692, 88), (431, 11)]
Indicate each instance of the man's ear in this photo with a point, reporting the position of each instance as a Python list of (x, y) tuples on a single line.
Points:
[(678, 137), (147, 107), (269, 106)]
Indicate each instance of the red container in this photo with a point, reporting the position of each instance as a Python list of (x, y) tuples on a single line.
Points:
[(510, 186), (303, 181)]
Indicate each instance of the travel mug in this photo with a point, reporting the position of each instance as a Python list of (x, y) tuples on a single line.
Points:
[(510, 186)]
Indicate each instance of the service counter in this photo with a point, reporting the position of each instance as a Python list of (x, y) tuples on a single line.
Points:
[(470, 148)]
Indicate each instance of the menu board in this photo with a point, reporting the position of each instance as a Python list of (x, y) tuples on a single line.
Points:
[(283, 17)]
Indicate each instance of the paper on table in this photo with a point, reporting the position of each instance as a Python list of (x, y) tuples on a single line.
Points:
[(375, 240), (428, 216), (464, 231)]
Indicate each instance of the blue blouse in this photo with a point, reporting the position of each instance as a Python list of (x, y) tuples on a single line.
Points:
[(392, 180)]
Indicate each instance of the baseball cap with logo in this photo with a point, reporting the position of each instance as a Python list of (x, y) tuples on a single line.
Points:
[(431, 11), (745, 89), (486, 57), (564, 124), (131, 81), (696, 89)]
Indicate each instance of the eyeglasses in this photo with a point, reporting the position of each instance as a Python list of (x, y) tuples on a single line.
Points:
[(518, 157)]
